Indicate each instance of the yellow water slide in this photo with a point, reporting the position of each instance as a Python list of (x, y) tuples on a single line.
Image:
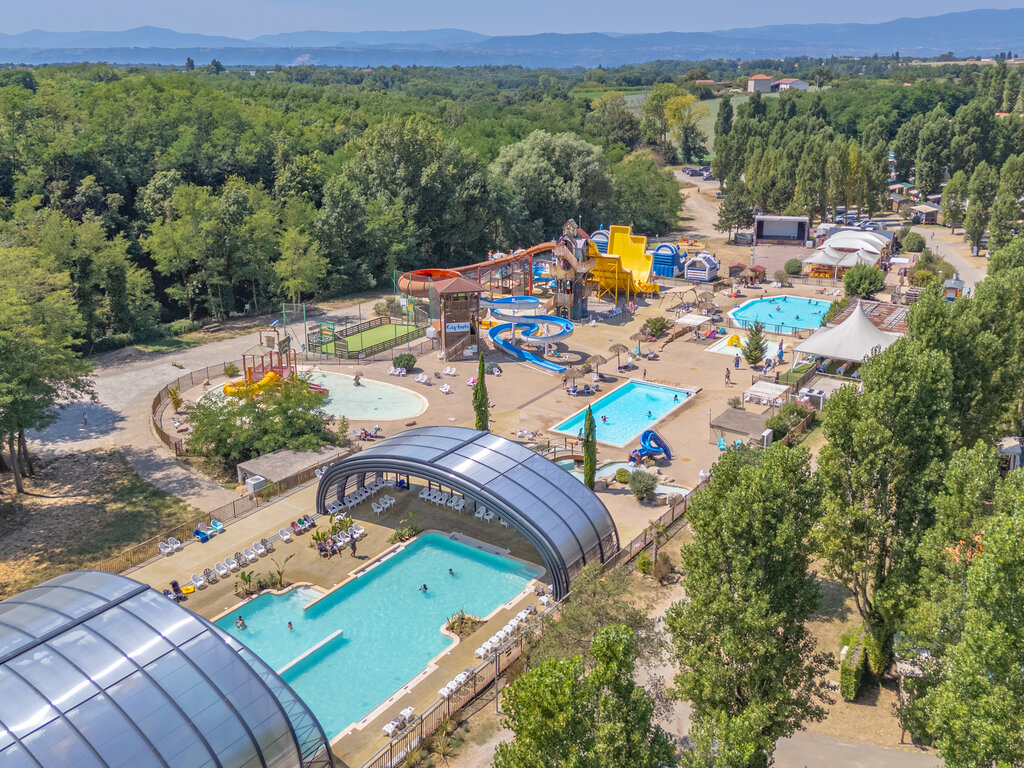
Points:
[(625, 271)]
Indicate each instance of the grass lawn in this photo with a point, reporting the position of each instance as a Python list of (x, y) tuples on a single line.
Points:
[(381, 333), (79, 509)]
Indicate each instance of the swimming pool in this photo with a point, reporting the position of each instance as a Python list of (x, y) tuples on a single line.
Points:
[(626, 409), (609, 470), (370, 400), (390, 630), (781, 314)]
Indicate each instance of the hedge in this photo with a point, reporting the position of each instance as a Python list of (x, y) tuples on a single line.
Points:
[(851, 671)]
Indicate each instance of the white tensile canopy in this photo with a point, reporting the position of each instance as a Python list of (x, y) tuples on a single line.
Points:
[(829, 256), (855, 240), (853, 340), (692, 321)]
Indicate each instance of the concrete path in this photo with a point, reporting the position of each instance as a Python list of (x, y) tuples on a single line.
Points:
[(937, 241)]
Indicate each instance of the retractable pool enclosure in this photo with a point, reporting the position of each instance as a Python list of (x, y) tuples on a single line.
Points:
[(558, 515)]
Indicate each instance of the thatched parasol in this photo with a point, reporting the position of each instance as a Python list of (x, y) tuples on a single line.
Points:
[(618, 349), (596, 361), (705, 295), (639, 337), (574, 373), (748, 273)]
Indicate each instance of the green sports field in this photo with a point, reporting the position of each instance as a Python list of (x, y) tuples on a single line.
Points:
[(359, 341)]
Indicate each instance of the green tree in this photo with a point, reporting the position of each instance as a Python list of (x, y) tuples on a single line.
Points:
[(1005, 216), (563, 715), (611, 119), (982, 193), (682, 116), (179, 241), (974, 135), (302, 265), (954, 200), (723, 120), (904, 145), (544, 180), (190, 64), (589, 449), (1009, 257), (863, 280), (975, 709), (746, 659), (932, 150), (646, 196), (756, 348), (883, 463), (736, 212), (480, 402)]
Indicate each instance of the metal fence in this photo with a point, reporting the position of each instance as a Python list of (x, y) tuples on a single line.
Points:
[(190, 379)]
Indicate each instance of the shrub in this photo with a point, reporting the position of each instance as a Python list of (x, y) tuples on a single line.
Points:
[(793, 267), (781, 276), (462, 624), (912, 243), (736, 402), (662, 569), (851, 672), (181, 327), (230, 369), (863, 280), (644, 564), (622, 475), (174, 395), (787, 417), (642, 484), (835, 309), (111, 342), (405, 360), (408, 529), (655, 326), (877, 653)]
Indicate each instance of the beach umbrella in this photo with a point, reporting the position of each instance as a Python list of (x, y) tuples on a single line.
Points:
[(596, 361), (705, 295), (574, 373), (638, 337), (618, 349), (747, 273)]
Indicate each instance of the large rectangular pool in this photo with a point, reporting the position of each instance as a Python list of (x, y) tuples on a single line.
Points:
[(389, 629), (624, 413)]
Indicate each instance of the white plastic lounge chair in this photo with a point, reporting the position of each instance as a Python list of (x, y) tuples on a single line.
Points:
[(222, 570), (377, 509), (344, 539), (253, 557), (503, 521), (175, 544), (389, 729), (391, 371), (480, 653), (285, 534), (423, 492), (452, 500), (197, 581), (259, 548), (407, 712), (460, 504), (231, 564), (442, 500), (452, 687), (488, 516), (357, 531), (165, 548), (445, 389), (480, 512), (443, 692), (462, 678)]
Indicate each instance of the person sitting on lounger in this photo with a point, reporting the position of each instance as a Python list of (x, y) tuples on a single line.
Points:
[(240, 622)]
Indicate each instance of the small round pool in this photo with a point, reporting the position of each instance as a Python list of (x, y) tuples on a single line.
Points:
[(781, 314), (371, 400)]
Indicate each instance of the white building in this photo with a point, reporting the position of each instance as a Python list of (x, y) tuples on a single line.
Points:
[(790, 84)]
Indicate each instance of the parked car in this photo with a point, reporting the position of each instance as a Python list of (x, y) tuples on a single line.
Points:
[(708, 176), (704, 168), (719, 194)]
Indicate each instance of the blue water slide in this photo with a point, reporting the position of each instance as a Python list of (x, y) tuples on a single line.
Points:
[(531, 326), (652, 444)]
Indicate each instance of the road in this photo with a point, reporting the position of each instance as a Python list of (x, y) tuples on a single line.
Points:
[(969, 273)]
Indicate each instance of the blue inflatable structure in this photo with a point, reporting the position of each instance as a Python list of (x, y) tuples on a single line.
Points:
[(651, 444)]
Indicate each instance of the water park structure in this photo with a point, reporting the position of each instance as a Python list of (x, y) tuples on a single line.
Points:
[(623, 265)]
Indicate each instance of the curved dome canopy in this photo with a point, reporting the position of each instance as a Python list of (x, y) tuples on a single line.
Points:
[(99, 670), (557, 513)]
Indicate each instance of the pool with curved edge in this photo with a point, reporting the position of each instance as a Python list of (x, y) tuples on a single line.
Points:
[(781, 314), (346, 651)]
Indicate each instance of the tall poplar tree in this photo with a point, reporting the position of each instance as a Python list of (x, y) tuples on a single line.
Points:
[(480, 398)]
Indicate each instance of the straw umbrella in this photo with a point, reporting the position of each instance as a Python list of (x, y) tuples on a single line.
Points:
[(638, 337), (618, 349), (574, 373), (596, 361)]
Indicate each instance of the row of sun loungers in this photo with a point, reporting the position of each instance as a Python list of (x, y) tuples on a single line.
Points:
[(358, 496), (499, 637), (443, 499), (230, 565), (460, 680), (396, 371), (342, 539), (405, 717), (422, 378), (450, 371)]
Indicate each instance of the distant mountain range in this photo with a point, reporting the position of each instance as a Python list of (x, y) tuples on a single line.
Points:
[(967, 33)]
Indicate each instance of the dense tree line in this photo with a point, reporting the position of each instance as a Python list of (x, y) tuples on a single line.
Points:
[(164, 195)]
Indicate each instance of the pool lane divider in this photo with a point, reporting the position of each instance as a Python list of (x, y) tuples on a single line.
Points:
[(312, 650)]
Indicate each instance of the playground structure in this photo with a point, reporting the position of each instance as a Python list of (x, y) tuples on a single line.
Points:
[(624, 267), (651, 444), (265, 365)]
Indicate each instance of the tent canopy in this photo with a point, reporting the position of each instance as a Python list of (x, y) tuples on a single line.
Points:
[(765, 392), (855, 339), (692, 321)]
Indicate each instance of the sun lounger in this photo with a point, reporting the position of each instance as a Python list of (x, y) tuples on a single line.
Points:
[(389, 729), (309, 521), (165, 548), (253, 557), (357, 531), (174, 544), (480, 653), (423, 492), (222, 570), (488, 516), (480, 512), (471, 382), (391, 371), (285, 534), (231, 564), (298, 527), (210, 576), (197, 581), (217, 525), (203, 536), (259, 549), (721, 444), (377, 509), (241, 559)]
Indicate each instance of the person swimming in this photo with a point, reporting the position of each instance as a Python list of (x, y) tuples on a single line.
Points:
[(450, 573), (675, 398), (604, 419), (290, 627), (650, 415), (240, 623), (423, 588), (798, 317)]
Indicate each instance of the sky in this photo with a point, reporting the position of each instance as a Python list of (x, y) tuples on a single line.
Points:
[(249, 18)]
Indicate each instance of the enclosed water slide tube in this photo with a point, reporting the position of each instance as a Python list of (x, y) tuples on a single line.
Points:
[(417, 282), (530, 326)]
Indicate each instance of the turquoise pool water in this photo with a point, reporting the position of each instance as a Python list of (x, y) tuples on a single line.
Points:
[(390, 629), (782, 313), (370, 400), (627, 408), (609, 470)]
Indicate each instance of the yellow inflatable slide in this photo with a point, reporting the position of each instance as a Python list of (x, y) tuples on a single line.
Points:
[(626, 269), (240, 388)]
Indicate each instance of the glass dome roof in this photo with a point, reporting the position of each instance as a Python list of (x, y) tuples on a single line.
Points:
[(97, 669)]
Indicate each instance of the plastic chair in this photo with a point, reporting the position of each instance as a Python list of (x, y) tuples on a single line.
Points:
[(722, 445)]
